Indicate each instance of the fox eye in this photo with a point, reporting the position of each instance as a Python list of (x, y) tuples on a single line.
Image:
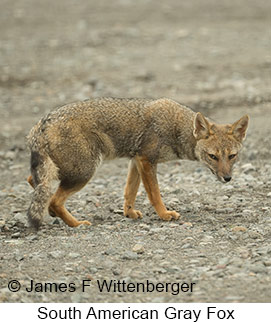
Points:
[(213, 156), (232, 156)]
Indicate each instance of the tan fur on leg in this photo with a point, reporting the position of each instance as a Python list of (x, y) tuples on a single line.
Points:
[(58, 208), (148, 175), (131, 188)]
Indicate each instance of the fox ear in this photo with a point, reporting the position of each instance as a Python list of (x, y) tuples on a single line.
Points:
[(201, 127), (239, 128)]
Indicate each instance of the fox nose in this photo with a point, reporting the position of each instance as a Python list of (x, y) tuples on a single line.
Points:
[(227, 178)]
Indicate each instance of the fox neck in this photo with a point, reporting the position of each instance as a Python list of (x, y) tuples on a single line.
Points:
[(185, 141)]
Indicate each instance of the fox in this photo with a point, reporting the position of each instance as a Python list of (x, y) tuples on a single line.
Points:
[(69, 143)]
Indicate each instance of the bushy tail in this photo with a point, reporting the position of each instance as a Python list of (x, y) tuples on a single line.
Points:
[(43, 171)]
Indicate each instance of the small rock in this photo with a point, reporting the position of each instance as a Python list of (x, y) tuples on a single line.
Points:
[(173, 200), (116, 271), (224, 261), (156, 230), (239, 229), (244, 254), (264, 250), (247, 212), (118, 211), (138, 248), (173, 225), (2, 223), (160, 270), (130, 255), (187, 225), (21, 218), (74, 255), (127, 279), (55, 254), (228, 187), (144, 226), (247, 168), (187, 246), (10, 155), (160, 299), (258, 269), (111, 252), (16, 235), (188, 239), (267, 262), (19, 257), (173, 269), (92, 270), (159, 251), (32, 238), (254, 235), (56, 221)]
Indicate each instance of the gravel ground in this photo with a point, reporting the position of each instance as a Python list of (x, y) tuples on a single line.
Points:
[(211, 55)]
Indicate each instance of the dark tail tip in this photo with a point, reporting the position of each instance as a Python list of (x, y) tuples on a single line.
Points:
[(34, 222)]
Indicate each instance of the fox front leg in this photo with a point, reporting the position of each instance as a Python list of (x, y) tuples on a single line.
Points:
[(147, 171), (131, 188)]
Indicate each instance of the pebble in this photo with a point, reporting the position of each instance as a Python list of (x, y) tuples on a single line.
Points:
[(138, 248), (224, 261), (16, 235), (239, 229), (258, 268), (247, 212), (187, 225), (129, 255), (55, 254), (247, 168), (111, 251), (186, 246), (93, 270), (254, 235), (32, 238), (118, 211), (116, 271), (21, 218), (157, 230), (2, 223), (244, 254), (10, 155), (159, 251)]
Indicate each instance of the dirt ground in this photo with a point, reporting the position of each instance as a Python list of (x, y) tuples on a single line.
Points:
[(214, 56)]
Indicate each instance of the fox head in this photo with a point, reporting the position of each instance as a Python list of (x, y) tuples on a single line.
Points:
[(217, 146)]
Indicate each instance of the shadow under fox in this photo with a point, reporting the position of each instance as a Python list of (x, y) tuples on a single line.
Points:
[(71, 142)]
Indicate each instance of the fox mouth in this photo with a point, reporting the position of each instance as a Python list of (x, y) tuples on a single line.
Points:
[(221, 179)]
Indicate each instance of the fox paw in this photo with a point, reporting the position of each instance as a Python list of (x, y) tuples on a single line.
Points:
[(133, 214), (168, 215), (84, 222)]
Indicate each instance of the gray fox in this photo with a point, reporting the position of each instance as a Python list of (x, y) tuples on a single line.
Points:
[(71, 142)]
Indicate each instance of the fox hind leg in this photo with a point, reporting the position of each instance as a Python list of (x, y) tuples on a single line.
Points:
[(57, 208)]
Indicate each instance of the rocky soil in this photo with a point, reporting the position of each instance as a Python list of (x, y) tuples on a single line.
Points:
[(211, 55)]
